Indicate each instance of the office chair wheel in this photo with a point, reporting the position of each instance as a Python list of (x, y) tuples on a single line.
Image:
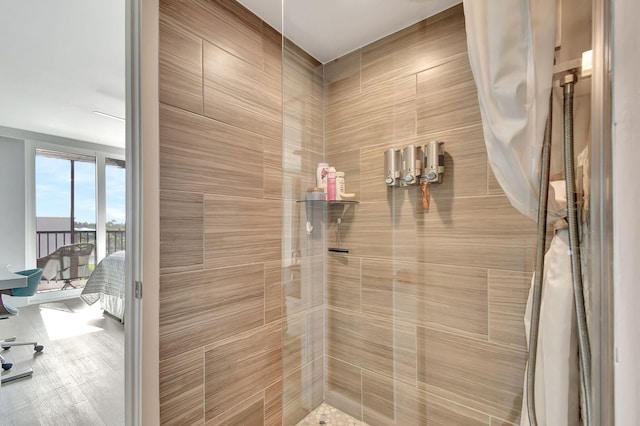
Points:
[(38, 348), (7, 366), (6, 348)]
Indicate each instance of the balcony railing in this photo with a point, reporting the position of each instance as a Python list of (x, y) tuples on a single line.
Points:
[(49, 241)]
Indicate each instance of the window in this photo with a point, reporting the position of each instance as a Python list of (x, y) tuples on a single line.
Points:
[(115, 184), (65, 200), (79, 198)]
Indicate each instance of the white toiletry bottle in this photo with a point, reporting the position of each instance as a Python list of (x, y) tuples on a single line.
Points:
[(321, 175), (331, 184), (340, 187)]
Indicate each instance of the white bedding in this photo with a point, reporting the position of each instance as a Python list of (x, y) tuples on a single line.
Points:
[(107, 284)]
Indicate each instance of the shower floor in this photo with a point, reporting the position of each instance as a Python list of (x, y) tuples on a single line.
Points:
[(330, 416)]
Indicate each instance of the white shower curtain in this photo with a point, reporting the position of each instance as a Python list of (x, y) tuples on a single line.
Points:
[(511, 49)]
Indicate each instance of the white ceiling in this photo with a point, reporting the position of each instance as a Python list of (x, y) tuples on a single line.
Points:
[(328, 29), (62, 60)]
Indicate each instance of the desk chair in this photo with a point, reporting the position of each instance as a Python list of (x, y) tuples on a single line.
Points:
[(6, 310)]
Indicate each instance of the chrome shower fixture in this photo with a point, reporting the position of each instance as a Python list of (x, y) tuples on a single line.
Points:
[(392, 162), (411, 165), (414, 165), (433, 162)]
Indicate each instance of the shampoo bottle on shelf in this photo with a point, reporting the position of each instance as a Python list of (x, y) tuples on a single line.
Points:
[(331, 184), (321, 175), (340, 189)]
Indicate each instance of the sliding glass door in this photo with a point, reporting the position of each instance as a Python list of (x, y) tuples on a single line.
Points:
[(65, 200), (79, 206), (115, 187)]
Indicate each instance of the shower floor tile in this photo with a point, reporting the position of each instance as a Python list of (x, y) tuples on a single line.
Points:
[(329, 416)]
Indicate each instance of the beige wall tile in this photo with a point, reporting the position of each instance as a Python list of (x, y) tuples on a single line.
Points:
[(303, 97), (241, 230), (395, 403), (300, 118), (443, 412), (241, 94), (447, 97), (182, 388), (272, 291), (249, 412), (237, 155), (381, 60), (483, 376), (389, 402), (234, 370), (197, 308), (302, 391), (379, 230), (500, 422), (271, 50), (273, 404), (508, 292), (515, 257), (342, 77), (181, 232), (272, 166), (343, 336), (423, 45), (180, 66), (222, 22), (343, 281), (343, 387), (202, 155), (479, 231), (371, 343), (377, 115), (303, 285), (303, 339), (450, 298)]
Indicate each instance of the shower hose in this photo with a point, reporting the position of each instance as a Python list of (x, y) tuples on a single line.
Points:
[(568, 84)]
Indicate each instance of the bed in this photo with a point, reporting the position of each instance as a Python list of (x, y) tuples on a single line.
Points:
[(107, 285)]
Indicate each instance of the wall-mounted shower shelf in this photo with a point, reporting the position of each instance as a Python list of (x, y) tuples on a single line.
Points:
[(330, 202), (344, 203)]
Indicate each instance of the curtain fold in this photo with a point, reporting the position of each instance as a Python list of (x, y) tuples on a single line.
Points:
[(557, 368), (511, 49)]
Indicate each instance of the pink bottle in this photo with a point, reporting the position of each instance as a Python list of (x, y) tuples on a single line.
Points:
[(331, 184)]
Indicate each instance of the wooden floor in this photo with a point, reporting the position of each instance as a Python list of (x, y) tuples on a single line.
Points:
[(79, 377)]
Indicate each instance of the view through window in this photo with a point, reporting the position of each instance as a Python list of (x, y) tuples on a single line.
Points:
[(116, 204), (66, 193)]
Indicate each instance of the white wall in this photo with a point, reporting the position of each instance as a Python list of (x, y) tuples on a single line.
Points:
[(12, 203), (626, 196)]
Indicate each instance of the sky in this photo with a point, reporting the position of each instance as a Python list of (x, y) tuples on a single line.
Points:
[(53, 190)]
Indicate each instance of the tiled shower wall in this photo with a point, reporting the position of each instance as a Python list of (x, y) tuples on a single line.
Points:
[(303, 252), (221, 215), (424, 315)]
